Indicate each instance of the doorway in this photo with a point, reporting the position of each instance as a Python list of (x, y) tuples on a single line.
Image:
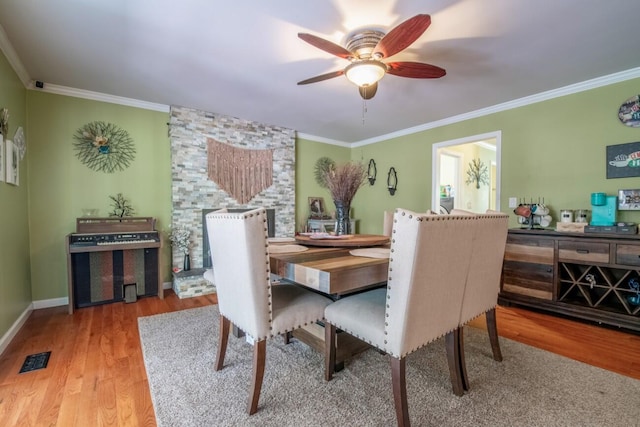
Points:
[(466, 173)]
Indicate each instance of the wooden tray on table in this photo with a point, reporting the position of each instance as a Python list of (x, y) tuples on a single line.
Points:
[(344, 241)]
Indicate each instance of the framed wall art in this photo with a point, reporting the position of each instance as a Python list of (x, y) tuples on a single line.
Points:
[(623, 160), (1, 158), (12, 163)]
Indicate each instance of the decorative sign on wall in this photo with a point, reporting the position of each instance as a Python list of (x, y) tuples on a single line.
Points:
[(629, 112), (623, 160), (104, 147)]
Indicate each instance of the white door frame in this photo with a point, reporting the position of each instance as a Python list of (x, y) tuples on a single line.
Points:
[(435, 164)]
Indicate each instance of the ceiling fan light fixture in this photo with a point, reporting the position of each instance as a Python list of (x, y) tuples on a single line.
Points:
[(365, 73)]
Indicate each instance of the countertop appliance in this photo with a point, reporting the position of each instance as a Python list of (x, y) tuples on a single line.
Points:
[(603, 209)]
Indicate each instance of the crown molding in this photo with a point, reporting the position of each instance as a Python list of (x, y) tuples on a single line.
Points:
[(12, 57), (521, 102), (323, 140), (97, 96)]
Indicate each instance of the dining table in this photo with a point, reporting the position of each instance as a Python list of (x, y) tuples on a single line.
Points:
[(330, 268)]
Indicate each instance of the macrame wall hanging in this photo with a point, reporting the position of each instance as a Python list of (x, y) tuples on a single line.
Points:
[(241, 172)]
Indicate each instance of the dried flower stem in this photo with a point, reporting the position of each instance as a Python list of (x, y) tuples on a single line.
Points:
[(344, 181)]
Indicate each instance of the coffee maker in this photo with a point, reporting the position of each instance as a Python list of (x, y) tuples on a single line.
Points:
[(603, 209)]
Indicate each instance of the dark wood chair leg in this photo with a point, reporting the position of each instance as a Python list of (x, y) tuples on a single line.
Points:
[(461, 360), (329, 350), (222, 342), (259, 357), (287, 337), (398, 379), (492, 328), (453, 359)]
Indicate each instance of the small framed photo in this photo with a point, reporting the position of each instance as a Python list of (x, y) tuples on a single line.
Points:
[(316, 207), (12, 163)]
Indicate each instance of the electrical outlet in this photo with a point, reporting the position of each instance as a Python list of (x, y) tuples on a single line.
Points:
[(513, 202)]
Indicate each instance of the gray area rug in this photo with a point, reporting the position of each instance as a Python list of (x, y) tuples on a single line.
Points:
[(530, 387)]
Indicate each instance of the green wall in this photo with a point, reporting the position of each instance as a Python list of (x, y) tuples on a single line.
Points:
[(307, 153), (61, 186), (553, 149), (15, 286)]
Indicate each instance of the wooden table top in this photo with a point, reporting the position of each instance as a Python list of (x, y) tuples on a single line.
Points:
[(348, 241), (330, 270)]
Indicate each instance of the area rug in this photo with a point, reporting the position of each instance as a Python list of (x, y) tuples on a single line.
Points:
[(530, 387)]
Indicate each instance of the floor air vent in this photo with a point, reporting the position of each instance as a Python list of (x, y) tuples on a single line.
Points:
[(34, 362)]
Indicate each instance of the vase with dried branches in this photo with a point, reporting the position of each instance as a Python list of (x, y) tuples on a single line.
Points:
[(343, 181)]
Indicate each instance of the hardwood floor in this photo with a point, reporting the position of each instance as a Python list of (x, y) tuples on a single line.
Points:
[(96, 374)]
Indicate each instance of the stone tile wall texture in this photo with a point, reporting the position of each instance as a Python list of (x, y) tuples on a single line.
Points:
[(193, 191)]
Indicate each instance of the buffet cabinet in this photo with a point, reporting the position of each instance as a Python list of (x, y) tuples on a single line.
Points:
[(594, 277)]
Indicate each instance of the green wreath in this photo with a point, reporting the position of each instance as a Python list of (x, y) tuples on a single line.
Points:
[(104, 147)]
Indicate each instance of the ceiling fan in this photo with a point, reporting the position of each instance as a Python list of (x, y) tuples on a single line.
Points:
[(366, 49)]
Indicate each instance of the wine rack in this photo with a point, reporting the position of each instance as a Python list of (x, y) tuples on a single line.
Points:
[(603, 288)]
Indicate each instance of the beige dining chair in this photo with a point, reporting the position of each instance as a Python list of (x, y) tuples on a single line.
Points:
[(428, 265), (246, 296), (387, 223), (482, 287)]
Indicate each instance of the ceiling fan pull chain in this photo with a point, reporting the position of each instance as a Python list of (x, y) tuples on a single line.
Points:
[(364, 110)]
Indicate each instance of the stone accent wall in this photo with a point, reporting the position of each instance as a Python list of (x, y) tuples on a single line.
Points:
[(193, 191)]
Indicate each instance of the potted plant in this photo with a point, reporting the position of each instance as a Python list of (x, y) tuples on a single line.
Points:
[(180, 237)]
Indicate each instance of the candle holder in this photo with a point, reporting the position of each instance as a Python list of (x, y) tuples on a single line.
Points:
[(392, 181), (372, 171)]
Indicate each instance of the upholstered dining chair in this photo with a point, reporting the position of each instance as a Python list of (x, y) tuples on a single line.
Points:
[(428, 266), (482, 287), (387, 223), (246, 296)]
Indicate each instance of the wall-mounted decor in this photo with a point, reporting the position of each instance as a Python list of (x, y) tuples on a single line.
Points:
[(19, 142), (629, 112), (1, 158), (323, 166), (241, 172), (104, 147), (623, 160), (4, 122), (477, 173), (392, 181), (372, 171), (12, 163)]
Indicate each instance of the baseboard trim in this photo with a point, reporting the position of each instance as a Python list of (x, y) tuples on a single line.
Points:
[(53, 302), (13, 330)]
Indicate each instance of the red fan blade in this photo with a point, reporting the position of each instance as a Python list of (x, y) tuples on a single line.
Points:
[(402, 36), (326, 45), (415, 70), (322, 77)]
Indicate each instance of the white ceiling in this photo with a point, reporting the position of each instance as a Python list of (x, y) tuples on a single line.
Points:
[(243, 58)]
